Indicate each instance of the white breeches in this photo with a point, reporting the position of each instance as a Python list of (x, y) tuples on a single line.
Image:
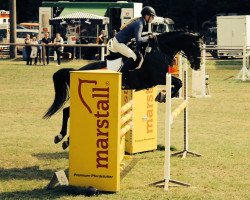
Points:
[(123, 49)]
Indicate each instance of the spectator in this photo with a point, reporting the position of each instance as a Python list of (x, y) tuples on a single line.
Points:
[(39, 48), (101, 37), (33, 53), (27, 40), (46, 40), (58, 48), (100, 40)]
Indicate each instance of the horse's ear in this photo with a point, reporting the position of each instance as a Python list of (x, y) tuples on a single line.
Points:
[(198, 36), (201, 37)]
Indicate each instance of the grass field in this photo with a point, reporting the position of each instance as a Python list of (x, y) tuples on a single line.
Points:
[(219, 130)]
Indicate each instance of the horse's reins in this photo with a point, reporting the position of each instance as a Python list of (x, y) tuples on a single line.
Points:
[(158, 48)]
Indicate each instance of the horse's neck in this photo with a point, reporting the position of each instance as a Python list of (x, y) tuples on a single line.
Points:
[(168, 50), (172, 42)]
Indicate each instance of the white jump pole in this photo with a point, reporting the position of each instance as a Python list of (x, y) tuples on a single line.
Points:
[(185, 150), (180, 73), (244, 73), (168, 122), (103, 52), (168, 130), (169, 118), (199, 84)]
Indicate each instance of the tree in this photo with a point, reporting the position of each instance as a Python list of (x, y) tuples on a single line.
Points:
[(189, 13)]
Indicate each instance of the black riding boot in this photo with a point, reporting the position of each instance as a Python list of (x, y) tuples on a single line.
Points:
[(128, 65)]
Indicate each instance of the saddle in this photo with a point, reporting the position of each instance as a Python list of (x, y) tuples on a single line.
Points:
[(115, 57), (115, 61)]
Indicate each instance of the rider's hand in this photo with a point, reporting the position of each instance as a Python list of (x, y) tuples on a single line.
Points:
[(151, 37)]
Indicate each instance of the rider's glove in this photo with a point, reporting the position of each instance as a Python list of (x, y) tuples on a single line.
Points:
[(151, 36)]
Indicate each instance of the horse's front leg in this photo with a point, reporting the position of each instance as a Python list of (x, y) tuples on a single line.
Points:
[(176, 85), (65, 144), (63, 131)]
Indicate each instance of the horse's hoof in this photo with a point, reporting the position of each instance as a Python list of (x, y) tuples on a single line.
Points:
[(58, 138), (125, 87), (65, 145), (161, 98), (91, 191)]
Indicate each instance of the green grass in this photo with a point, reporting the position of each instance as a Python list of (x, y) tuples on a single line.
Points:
[(218, 127)]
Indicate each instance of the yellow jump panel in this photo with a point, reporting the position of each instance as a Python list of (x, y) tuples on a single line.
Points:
[(143, 136), (94, 152)]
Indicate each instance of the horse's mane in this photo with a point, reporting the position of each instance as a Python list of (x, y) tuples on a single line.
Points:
[(185, 42), (181, 35)]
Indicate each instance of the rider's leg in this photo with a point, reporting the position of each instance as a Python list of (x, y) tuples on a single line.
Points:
[(127, 52), (124, 49), (128, 65)]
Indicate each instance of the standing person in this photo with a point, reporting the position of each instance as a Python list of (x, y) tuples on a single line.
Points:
[(58, 48), (101, 37), (27, 40), (129, 31), (33, 53), (39, 49), (100, 40), (46, 40)]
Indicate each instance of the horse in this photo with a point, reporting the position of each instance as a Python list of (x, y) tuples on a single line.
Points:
[(158, 55)]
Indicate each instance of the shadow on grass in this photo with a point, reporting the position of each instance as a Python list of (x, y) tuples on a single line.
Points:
[(161, 147), (35, 194), (52, 156), (62, 191), (27, 173)]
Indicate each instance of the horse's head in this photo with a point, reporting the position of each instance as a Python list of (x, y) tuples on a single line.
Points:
[(193, 50), (190, 43)]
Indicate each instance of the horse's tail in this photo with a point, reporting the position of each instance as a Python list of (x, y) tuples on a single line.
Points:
[(61, 80)]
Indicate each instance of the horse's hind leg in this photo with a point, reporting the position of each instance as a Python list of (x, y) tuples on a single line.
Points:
[(63, 132)]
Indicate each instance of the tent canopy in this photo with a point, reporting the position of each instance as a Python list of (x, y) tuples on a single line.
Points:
[(78, 15), (96, 11)]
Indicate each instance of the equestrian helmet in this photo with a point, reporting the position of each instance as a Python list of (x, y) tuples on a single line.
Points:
[(148, 10)]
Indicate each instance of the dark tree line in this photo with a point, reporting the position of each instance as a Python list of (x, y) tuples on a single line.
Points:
[(189, 13)]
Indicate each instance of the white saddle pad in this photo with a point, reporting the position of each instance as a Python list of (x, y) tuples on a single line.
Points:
[(114, 65)]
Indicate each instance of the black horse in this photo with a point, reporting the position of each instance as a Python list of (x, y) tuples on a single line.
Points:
[(158, 56)]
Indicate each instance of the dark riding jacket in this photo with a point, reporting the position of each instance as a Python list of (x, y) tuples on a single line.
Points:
[(133, 30)]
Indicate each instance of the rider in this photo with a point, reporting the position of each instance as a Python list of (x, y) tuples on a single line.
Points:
[(132, 30)]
